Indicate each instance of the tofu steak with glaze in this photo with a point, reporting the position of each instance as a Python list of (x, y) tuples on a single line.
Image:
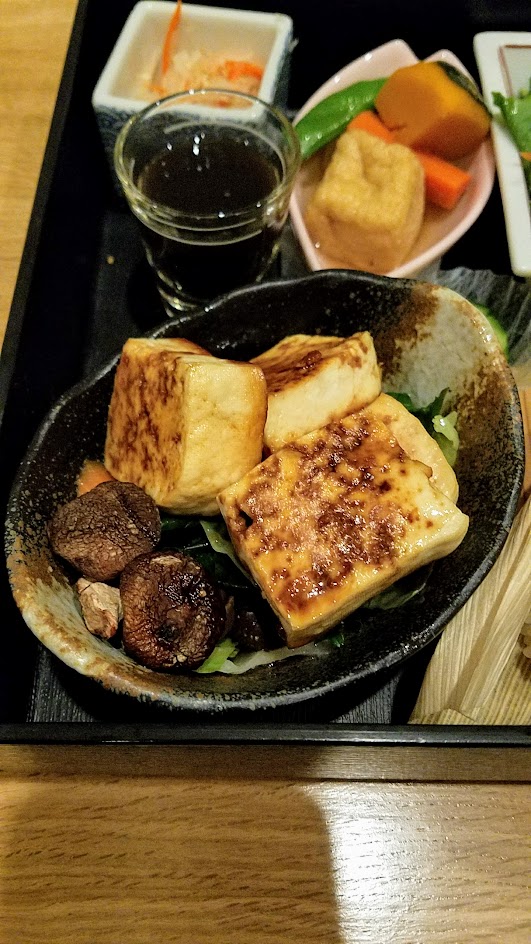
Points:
[(182, 424), (334, 518), (416, 441), (313, 380)]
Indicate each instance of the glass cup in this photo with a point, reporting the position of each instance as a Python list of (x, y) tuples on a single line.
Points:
[(208, 174)]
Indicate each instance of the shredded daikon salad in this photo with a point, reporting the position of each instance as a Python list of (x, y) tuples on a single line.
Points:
[(200, 70), (180, 70)]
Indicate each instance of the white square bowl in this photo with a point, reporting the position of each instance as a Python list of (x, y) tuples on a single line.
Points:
[(267, 37), (440, 228)]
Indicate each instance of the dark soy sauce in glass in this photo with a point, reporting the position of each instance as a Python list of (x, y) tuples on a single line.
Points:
[(217, 172)]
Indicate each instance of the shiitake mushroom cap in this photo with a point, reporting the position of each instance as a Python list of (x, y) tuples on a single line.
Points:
[(100, 532), (173, 613)]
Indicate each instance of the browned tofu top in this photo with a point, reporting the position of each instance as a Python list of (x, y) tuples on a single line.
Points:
[(298, 356), (334, 517)]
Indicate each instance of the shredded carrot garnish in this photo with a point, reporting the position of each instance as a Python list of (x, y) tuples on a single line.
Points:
[(157, 89), (526, 155), (234, 68), (170, 35)]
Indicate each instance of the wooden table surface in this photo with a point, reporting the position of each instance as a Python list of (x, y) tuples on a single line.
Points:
[(228, 846)]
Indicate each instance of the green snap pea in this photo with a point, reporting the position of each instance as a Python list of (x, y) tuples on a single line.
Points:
[(331, 116)]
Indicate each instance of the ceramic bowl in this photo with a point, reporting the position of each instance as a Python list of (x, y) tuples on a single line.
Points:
[(266, 37), (441, 228), (427, 338)]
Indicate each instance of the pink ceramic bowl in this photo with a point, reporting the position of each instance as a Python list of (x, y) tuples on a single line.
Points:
[(441, 228)]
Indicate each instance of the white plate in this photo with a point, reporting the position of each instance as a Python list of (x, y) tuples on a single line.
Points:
[(441, 228), (504, 64)]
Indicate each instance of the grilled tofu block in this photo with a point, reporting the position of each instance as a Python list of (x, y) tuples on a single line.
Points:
[(183, 425), (313, 380), (416, 441), (334, 518)]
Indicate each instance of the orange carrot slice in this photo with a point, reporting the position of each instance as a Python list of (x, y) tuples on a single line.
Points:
[(445, 183), (92, 473), (234, 68), (169, 38), (369, 121)]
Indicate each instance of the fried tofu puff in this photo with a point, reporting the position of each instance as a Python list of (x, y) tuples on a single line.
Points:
[(334, 518), (368, 208), (182, 424), (313, 380)]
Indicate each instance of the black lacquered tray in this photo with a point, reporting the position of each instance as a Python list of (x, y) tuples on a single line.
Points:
[(83, 288)]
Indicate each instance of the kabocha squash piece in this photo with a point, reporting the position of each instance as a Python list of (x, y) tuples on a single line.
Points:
[(433, 107)]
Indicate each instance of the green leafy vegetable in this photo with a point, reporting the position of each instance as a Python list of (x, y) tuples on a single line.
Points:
[(331, 116), (401, 592), (245, 661), (500, 332), (446, 436), (176, 522), (218, 538), (517, 115), (423, 413), (207, 545), (441, 427), (226, 649)]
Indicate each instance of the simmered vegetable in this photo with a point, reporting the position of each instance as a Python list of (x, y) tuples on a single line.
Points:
[(174, 614), (99, 532), (331, 116), (433, 107), (444, 182)]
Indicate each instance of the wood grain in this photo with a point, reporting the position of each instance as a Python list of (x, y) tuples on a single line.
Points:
[(91, 859), (33, 43), (198, 846)]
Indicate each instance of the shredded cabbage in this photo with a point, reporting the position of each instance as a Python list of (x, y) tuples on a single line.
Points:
[(446, 436), (224, 650), (245, 661), (217, 536)]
